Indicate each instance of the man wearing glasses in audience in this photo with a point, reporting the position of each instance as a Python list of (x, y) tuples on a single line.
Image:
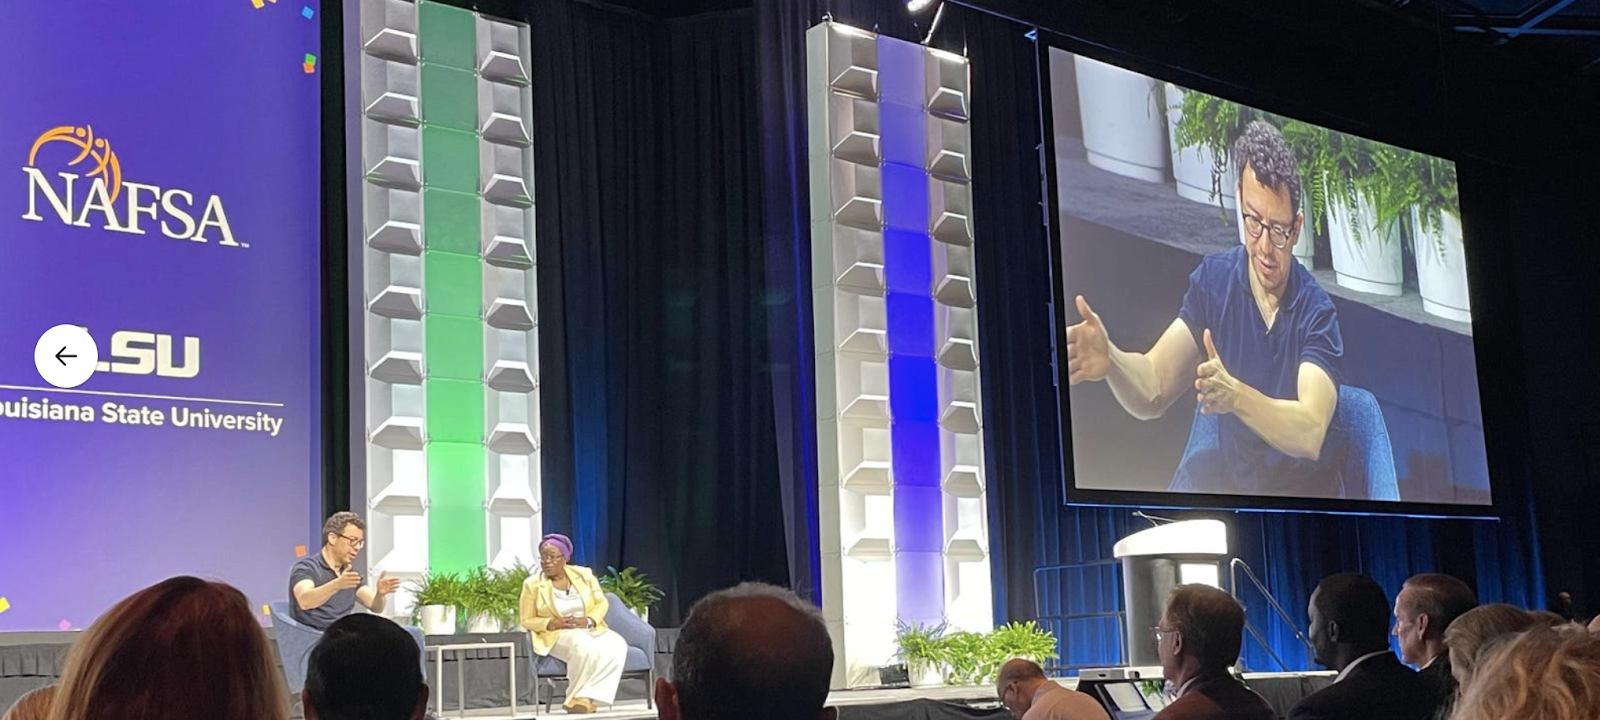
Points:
[(325, 587), (1256, 339)]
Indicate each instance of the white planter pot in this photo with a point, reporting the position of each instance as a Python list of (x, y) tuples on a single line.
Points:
[(926, 676), (1306, 248), (1122, 120), (483, 623), (1372, 265), (1192, 166), (642, 615), (438, 619), (1442, 267)]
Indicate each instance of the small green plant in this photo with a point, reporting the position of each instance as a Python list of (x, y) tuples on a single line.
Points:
[(922, 647), (1024, 640), (441, 588), (1152, 688), (632, 587)]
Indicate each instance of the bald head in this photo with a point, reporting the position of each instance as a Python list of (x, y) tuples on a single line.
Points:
[(751, 651), (1020, 669)]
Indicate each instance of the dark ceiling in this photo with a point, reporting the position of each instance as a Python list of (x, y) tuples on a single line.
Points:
[(1562, 36)]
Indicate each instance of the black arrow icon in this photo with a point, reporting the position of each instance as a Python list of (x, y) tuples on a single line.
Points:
[(62, 358)]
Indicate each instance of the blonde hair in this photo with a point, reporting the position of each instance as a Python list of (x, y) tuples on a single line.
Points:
[(1544, 673), (1473, 632), (182, 649), (33, 706)]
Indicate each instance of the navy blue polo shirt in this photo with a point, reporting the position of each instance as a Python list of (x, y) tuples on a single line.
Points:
[(1306, 330), (314, 568)]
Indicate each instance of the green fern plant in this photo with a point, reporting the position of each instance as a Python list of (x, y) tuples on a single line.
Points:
[(1212, 123), (1023, 640), (632, 587), (922, 647), (435, 588), (1330, 164), (973, 659)]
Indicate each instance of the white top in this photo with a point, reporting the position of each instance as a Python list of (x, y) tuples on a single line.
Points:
[(1359, 660), (568, 603)]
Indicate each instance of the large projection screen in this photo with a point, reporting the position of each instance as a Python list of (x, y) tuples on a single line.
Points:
[(1254, 310)]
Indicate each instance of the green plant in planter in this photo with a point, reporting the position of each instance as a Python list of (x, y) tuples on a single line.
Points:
[(1212, 123), (1439, 196), (1023, 640), (632, 587), (479, 593), (441, 588), (507, 592), (922, 647), (974, 659), (1330, 165)]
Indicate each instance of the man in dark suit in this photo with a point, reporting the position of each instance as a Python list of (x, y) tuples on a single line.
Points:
[(1199, 638), (1423, 610), (1349, 632)]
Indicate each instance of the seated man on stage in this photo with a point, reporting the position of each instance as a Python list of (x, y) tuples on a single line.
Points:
[(1257, 339), (564, 608), (1029, 695), (323, 586), (1199, 639), (1350, 633)]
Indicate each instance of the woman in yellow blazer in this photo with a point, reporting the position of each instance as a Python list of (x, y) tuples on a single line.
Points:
[(565, 610)]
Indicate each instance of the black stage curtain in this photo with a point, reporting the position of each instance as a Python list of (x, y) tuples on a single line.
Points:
[(659, 448)]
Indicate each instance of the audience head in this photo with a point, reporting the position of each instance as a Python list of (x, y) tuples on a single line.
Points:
[(555, 550), (33, 706), (1424, 608), (1547, 618), (1594, 625), (753, 651), (182, 649), (1019, 680), (1476, 630), (1349, 618), (1200, 632), (365, 667), (1543, 673)]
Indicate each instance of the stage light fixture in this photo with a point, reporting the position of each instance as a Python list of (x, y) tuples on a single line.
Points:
[(917, 6)]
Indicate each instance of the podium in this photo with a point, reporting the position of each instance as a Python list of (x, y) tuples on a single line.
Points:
[(1156, 560)]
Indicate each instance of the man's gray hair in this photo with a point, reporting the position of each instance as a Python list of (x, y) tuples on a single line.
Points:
[(731, 665)]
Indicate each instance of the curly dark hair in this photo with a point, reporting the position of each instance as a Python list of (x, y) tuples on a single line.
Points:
[(1261, 147), (337, 522)]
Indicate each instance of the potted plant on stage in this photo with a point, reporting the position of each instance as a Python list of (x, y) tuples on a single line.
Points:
[(507, 586), (479, 600), (973, 660), (633, 588), (925, 651), (438, 595), (1201, 129), (1122, 119), (1023, 640), (1349, 179), (1437, 241)]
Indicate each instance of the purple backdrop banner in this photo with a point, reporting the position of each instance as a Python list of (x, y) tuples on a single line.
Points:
[(159, 186)]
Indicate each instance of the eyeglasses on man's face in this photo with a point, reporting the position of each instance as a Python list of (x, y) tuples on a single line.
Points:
[(1159, 632), (357, 542), (1278, 235)]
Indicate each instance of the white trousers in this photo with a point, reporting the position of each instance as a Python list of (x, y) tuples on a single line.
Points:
[(594, 663)]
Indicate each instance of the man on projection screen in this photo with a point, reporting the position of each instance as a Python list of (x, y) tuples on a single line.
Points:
[(1257, 339)]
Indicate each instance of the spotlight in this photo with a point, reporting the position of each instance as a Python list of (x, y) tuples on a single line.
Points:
[(917, 6)]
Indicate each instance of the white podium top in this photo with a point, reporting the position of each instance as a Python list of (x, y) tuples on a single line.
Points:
[(1190, 537)]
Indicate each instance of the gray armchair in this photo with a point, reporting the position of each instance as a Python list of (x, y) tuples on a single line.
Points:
[(641, 639), (295, 642)]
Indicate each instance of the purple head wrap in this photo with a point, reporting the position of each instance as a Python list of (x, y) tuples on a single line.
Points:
[(561, 542)]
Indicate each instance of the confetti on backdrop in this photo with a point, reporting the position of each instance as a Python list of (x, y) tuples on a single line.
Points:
[(4, 605), (307, 13), (64, 625)]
